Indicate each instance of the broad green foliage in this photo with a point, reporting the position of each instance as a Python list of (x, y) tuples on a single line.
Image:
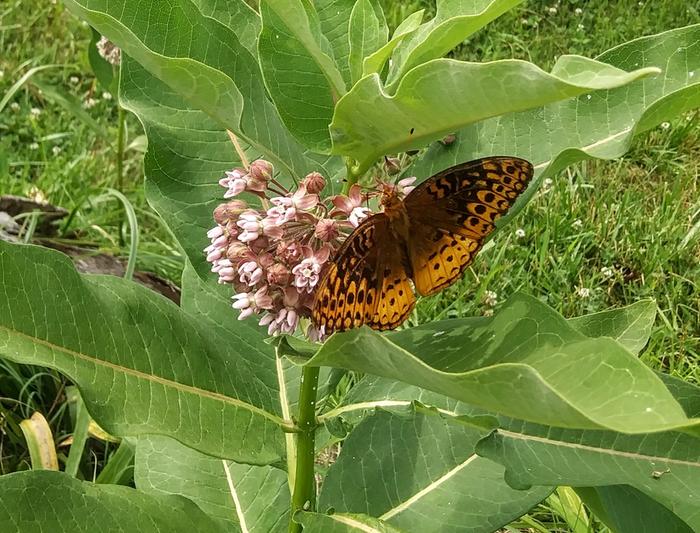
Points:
[(460, 425), (419, 468), (525, 362), (54, 502), (302, 79), (142, 364), (596, 125), (244, 498), (444, 95), (454, 22)]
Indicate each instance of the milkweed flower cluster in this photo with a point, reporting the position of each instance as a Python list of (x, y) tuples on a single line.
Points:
[(274, 253), (109, 51)]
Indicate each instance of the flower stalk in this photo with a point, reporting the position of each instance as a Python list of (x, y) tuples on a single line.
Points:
[(304, 495)]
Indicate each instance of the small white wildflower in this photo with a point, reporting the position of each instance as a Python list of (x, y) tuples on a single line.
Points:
[(547, 185), (488, 312), (578, 11), (607, 272), (74, 80), (583, 292), (490, 298), (106, 96), (56, 150), (2, 74), (14, 106), (665, 125), (34, 146), (577, 224), (89, 103), (35, 112), (553, 10), (520, 233), (581, 27)]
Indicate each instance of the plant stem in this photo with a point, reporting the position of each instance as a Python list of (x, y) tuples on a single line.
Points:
[(121, 120), (304, 496)]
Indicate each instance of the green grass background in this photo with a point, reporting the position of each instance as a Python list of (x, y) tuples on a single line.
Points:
[(603, 234)]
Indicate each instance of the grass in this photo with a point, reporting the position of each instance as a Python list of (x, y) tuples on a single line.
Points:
[(602, 234)]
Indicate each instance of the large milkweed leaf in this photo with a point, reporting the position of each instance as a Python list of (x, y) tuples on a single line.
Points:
[(622, 506), (301, 76), (597, 125), (203, 60), (412, 468), (141, 363), (56, 502), (526, 362), (455, 21), (444, 95), (244, 498)]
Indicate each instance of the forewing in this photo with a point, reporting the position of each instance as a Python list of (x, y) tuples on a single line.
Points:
[(365, 282), (452, 213)]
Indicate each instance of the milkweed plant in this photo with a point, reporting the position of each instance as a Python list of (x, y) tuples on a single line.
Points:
[(272, 132)]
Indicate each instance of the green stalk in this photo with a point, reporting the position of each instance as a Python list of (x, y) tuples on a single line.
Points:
[(121, 120), (304, 496)]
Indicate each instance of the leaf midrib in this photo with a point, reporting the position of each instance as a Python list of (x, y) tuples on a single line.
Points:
[(148, 377)]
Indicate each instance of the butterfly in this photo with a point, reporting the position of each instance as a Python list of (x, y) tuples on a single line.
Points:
[(423, 242)]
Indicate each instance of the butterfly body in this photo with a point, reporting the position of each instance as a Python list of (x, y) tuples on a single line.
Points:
[(421, 243)]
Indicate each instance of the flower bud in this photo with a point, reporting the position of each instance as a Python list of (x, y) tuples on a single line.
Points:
[(314, 183), (260, 170), (228, 211), (237, 252), (278, 274)]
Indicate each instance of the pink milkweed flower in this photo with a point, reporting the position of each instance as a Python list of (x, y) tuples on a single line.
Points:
[(290, 252), (351, 206), (251, 302), (225, 269), (251, 272), (406, 185), (254, 226), (253, 180), (306, 273), (327, 230), (301, 200)]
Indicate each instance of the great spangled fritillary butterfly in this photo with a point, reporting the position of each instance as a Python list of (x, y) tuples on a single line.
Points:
[(423, 242)]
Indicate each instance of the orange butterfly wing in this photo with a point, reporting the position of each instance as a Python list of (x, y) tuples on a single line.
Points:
[(366, 282), (452, 213)]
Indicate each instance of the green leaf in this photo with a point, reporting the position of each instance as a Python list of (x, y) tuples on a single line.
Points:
[(444, 95), (455, 21), (526, 362), (141, 363), (40, 443), (368, 33), (203, 61), (630, 325), (375, 62), (408, 468), (244, 498), (103, 69), (56, 502), (373, 392), (238, 16), (334, 21), (302, 79), (342, 523), (626, 510), (188, 153), (665, 466), (597, 125)]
